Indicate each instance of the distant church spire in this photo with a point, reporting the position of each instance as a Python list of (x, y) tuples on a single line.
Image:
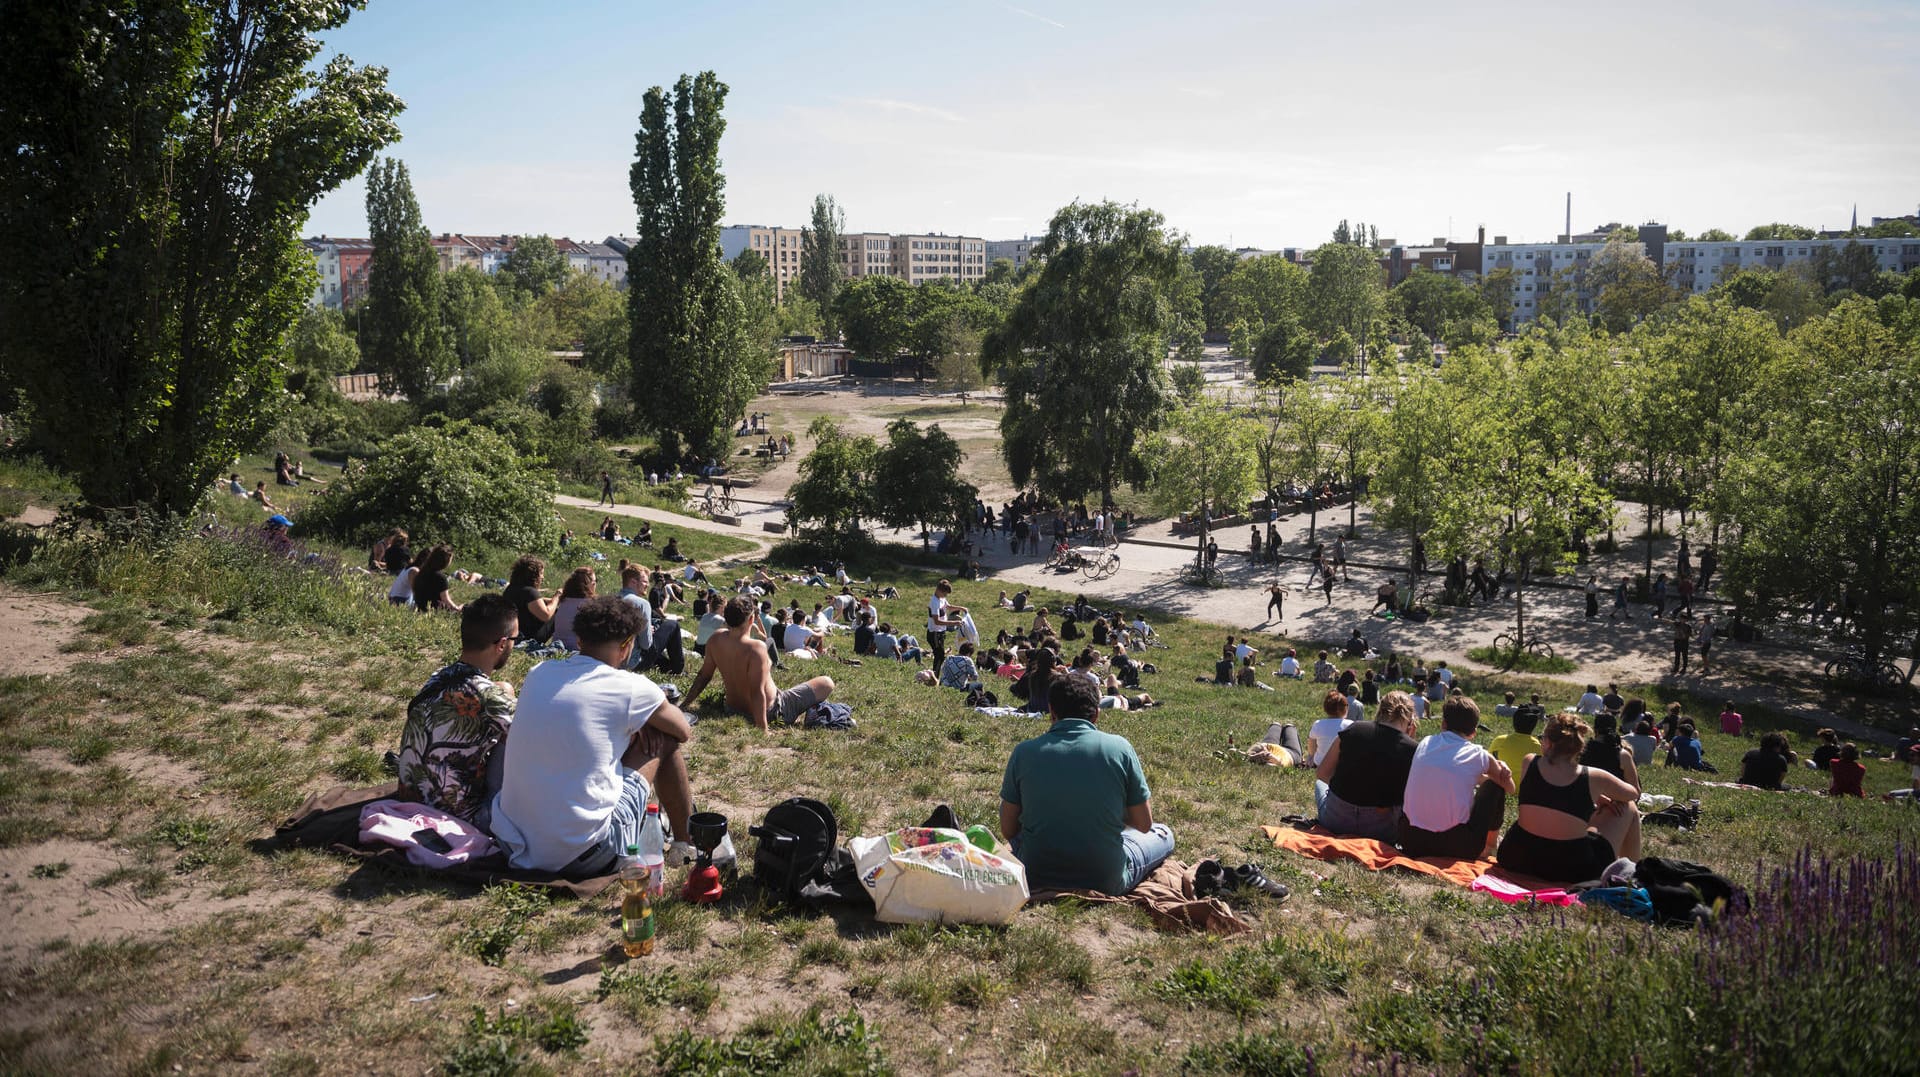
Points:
[(1856, 215)]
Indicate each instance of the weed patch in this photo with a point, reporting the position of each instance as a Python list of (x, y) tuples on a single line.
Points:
[(808, 1043), (508, 909)]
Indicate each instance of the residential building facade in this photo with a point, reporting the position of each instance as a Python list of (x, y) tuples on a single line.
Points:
[(1016, 251), (915, 259), (342, 264)]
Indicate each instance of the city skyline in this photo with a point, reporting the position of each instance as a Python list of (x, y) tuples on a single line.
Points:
[(1243, 125)]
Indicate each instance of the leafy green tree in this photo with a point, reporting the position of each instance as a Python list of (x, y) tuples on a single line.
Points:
[(916, 479), (1213, 265), (160, 162), (1189, 383), (461, 484), (1344, 293), (1822, 501), (696, 362), (876, 316), (533, 267), (1312, 422), (1202, 458), (1715, 235), (1354, 433), (751, 265), (400, 330), (321, 347), (1496, 290), (478, 322), (1790, 295), (1258, 294), (1627, 287), (1853, 268), (1442, 307), (1080, 354), (820, 269), (835, 489), (1778, 230), (1888, 229)]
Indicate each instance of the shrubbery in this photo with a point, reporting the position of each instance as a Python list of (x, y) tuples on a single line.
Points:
[(461, 484)]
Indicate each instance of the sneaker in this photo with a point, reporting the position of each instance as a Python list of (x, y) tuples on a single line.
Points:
[(1210, 878), (681, 853), (1250, 877)]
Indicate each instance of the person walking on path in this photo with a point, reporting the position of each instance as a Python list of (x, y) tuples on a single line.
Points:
[(1682, 642), (1593, 597), (1326, 583), (1619, 601), (1340, 557), (1686, 596), (1660, 596), (606, 489)]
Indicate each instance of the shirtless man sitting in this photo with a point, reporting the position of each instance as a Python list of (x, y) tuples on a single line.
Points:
[(738, 653)]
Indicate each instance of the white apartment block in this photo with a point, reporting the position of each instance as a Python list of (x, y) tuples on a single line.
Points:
[(1697, 267), (1016, 251), (1538, 266), (1693, 266), (326, 259), (915, 259)]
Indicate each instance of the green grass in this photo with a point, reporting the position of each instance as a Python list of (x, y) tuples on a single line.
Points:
[(1523, 662), (253, 684)]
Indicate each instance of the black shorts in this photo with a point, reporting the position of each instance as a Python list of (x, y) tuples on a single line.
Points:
[(1575, 860)]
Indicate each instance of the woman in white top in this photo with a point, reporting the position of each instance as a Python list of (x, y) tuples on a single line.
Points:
[(1320, 735), (401, 593)]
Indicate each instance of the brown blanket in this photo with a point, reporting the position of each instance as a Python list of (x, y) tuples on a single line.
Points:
[(1168, 897), (331, 820)]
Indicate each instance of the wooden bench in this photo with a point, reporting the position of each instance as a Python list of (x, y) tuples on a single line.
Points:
[(774, 527)]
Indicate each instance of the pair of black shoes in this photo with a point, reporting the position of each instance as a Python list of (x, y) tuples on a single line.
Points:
[(1213, 879)]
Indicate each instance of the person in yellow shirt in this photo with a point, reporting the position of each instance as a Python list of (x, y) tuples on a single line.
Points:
[(1513, 748)]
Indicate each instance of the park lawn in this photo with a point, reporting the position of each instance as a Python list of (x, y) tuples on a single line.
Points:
[(212, 693)]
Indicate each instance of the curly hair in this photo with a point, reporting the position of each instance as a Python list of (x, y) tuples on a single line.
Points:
[(580, 584), (526, 572), (1564, 736), (605, 620)]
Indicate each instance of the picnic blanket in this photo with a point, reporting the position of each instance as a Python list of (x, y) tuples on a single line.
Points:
[(1168, 896), (1378, 856), (1750, 788), (331, 820)]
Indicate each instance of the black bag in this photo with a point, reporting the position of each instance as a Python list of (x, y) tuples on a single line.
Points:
[(796, 840), (1683, 892), (982, 697)]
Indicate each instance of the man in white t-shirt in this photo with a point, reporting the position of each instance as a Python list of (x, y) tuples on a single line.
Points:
[(797, 638), (1591, 703), (1290, 665), (942, 617), (1456, 794), (590, 742)]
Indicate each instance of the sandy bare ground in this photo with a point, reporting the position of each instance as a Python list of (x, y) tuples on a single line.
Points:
[(33, 630)]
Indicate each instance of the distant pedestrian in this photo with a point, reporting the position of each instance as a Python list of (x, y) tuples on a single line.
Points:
[(1706, 639), (1682, 642), (1686, 596), (1593, 597), (1660, 596), (1276, 602), (1340, 557), (1709, 561), (1326, 583), (606, 489), (1619, 600)]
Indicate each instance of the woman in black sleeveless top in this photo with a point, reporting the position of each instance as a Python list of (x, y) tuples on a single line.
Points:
[(1607, 752), (1574, 820)]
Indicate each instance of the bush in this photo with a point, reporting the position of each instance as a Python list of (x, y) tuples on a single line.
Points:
[(459, 484)]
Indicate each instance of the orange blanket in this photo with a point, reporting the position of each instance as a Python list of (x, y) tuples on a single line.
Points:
[(1376, 855)]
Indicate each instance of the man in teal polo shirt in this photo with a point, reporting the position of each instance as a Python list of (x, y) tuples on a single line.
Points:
[(1074, 802)]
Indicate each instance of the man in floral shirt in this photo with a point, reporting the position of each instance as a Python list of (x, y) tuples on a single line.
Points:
[(450, 749)]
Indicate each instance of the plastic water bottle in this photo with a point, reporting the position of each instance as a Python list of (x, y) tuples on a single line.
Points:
[(653, 851), (636, 911)]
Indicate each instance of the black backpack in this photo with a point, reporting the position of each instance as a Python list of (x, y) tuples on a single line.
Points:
[(796, 839)]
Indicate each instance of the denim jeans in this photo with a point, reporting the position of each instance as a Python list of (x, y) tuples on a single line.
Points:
[(1351, 821), (1145, 852), (623, 828)]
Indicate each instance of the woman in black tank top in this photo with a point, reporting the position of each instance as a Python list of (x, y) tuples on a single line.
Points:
[(1607, 752), (1570, 830)]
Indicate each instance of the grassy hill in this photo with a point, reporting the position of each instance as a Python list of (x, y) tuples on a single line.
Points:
[(203, 691)]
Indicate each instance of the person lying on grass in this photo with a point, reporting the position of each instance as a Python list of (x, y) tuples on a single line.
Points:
[(739, 654), (1074, 802), (1362, 780), (591, 743), (449, 748), (1574, 820)]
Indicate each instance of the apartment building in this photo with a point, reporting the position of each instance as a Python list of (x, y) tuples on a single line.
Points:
[(1016, 251), (1697, 267), (915, 259), (456, 251), (866, 254), (921, 258), (342, 264)]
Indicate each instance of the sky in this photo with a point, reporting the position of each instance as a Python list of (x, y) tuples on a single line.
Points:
[(1255, 124)]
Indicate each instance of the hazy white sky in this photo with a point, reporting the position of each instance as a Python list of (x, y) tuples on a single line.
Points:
[(1259, 124)]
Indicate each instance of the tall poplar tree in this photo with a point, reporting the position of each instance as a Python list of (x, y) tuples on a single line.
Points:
[(820, 269), (160, 161), (401, 334), (696, 361)]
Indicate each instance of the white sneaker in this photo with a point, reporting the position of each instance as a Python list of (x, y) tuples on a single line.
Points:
[(681, 853)]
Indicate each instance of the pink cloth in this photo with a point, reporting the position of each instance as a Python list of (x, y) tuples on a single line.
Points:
[(395, 822), (1513, 893)]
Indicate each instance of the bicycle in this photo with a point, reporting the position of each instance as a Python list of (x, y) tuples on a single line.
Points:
[(1101, 565), (1203, 574), (1512, 645), (1852, 668), (720, 504)]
